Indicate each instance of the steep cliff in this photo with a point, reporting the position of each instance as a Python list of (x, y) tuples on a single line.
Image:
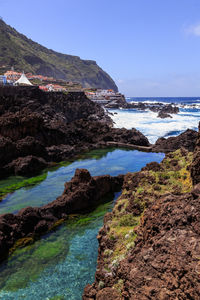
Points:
[(23, 54)]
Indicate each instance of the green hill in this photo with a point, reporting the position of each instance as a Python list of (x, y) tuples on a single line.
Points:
[(23, 54)]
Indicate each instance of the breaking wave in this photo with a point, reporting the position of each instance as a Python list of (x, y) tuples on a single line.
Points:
[(153, 127)]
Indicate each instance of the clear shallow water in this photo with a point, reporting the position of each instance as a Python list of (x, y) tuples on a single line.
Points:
[(60, 264), (63, 262), (98, 162), (153, 127)]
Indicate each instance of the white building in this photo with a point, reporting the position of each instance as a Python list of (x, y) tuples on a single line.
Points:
[(23, 80)]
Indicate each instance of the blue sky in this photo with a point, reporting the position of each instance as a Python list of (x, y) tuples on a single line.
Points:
[(149, 47)]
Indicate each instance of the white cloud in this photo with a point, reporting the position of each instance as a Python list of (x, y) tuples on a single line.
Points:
[(193, 30)]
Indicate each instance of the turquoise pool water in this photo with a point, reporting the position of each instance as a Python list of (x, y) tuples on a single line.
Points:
[(60, 264), (98, 162)]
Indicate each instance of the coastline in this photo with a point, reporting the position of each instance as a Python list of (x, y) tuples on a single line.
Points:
[(90, 133), (153, 127), (68, 125)]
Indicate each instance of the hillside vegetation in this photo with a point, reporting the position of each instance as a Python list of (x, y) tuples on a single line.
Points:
[(23, 54)]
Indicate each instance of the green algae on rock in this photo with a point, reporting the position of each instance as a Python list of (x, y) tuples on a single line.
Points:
[(12, 184), (48, 280), (48, 251), (140, 190)]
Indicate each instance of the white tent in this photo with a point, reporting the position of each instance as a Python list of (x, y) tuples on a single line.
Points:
[(23, 80)]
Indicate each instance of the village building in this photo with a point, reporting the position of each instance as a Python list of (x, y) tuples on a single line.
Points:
[(50, 83), (12, 76)]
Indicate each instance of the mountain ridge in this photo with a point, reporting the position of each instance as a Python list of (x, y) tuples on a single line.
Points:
[(24, 54)]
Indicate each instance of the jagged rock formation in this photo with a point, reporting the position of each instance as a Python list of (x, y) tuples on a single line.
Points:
[(163, 115), (149, 244), (37, 128), (24, 54), (82, 193), (166, 110), (187, 139)]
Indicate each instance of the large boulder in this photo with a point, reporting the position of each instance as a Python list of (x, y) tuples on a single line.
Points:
[(25, 166)]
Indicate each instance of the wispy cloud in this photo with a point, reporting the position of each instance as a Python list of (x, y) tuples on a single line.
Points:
[(193, 29)]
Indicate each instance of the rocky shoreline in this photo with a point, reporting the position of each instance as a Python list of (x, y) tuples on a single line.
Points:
[(154, 227), (38, 128)]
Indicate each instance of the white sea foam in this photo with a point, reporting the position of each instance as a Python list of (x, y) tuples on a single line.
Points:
[(153, 127), (189, 106), (154, 102)]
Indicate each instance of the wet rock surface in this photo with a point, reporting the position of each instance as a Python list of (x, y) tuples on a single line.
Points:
[(81, 194), (52, 127)]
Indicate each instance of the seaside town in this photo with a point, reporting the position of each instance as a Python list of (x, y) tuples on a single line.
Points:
[(47, 84), (105, 97)]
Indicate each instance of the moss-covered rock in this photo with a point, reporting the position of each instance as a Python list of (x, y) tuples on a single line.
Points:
[(118, 237)]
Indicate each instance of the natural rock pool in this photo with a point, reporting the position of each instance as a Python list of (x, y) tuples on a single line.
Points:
[(60, 264)]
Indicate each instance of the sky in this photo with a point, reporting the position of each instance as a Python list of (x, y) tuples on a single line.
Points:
[(151, 48)]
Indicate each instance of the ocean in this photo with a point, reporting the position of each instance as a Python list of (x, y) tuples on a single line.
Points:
[(153, 127)]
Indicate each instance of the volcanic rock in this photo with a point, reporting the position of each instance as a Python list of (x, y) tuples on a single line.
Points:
[(26, 165), (186, 140), (52, 127), (157, 257), (163, 115)]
